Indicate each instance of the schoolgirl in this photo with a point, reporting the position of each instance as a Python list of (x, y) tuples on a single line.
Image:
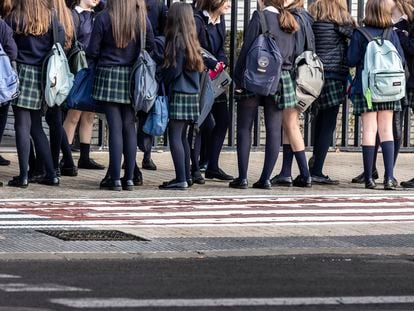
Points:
[(9, 46), (211, 31), (333, 27), (31, 21), (113, 49), (293, 144), (182, 67), (83, 17), (378, 117), (157, 14), (282, 25), (399, 18), (404, 16)]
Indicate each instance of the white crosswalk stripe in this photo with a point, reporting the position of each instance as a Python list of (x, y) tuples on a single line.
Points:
[(208, 211)]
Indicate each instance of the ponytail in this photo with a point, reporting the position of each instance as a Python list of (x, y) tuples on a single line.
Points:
[(287, 22)]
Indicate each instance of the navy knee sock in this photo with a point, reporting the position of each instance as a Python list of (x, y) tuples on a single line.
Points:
[(287, 161), (302, 163), (368, 153), (388, 156)]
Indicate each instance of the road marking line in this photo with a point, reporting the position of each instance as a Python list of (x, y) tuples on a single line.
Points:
[(9, 276), (22, 287), (84, 303)]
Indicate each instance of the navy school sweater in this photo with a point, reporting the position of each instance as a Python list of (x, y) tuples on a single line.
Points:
[(356, 53), (83, 23), (212, 38), (284, 40), (7, 41), (178, 79), (102, 50), (32, 50), (407, 43), (305, 21), (157, 14)]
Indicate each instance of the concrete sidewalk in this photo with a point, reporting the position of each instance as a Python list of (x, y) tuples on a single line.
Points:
[(339, 165)]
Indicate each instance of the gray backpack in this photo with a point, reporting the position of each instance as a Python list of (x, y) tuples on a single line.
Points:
[(144, 85), (383, 76), (309, 74)]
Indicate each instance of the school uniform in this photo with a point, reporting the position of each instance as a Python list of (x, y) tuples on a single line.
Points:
[(273, 105), (113, 67), (355, 57), (32, 51), (157, 15), (212, 36)]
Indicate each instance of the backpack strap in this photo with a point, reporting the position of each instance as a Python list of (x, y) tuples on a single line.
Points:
[(310, 45), (198, 16), (387, 34), (55, 28), (142, 38), (263, 22), (366, 34)]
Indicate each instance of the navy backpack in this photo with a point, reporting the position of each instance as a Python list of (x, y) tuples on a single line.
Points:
[(263, 63)]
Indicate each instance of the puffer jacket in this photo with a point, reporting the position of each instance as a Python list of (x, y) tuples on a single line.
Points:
[(331, 46)]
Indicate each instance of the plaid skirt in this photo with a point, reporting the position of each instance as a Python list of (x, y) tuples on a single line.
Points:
[(333, 94), (286, 98), (112, 84), (360, 105), (184, 107), (31, 95)]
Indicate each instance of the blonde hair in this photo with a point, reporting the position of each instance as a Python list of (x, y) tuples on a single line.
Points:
[(406, 7), (378, 14), (65, 18), (296, 4), (334, 11), (287, 21), (128, 18), (32, 17)]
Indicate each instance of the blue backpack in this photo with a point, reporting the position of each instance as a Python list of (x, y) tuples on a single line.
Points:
[(9, 81), (80, 96), (263, 63), (157, 119)]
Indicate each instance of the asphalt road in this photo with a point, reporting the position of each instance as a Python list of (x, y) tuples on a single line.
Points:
[(306, 283)]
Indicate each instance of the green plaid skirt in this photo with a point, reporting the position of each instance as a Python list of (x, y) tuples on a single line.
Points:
[(112, 84), (360, 105), (184, 107), (31, 96), (333, 94), (286, 98)]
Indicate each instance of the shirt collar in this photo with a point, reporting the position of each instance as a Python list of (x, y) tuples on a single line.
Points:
[(79, 9), (271, 9), (210, 21)]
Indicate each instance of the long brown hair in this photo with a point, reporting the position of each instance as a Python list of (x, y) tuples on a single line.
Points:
[(5, 7), (210, 5), (32, 17), (334, 11), (128, 18), (65, 18), (287, 21), (378, 14), (181, 33), (406, 7)]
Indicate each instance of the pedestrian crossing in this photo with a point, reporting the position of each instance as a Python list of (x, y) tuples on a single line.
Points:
[(207, 211)]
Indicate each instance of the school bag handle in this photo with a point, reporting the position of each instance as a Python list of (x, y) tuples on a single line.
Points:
[(386, 35), (263, 22)]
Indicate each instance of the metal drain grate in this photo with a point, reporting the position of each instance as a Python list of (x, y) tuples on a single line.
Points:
[(92, 235)]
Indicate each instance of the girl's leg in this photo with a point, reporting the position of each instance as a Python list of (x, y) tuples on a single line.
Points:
[(369, 133), (85, 137), (129, 140), (385, 131), (176, 129), (56, 131), (22, 124), (114, 119), (71, 121)]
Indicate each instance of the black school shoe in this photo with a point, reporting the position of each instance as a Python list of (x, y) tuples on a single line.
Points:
[(174, 185), (18, 182), (408, 184), (127, 184), (90, 164), (370, 184), (324, 180), (4, 162), (69, 171), (198, 178), (390, 184), (49, 181), (149, 165), (282, 181), (263, 184), (303, 182), (138, 180), (219, 174), (239, 183), (109, 184), (360, 179)]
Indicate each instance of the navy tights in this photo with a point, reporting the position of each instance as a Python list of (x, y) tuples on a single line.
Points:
[(180, 149)]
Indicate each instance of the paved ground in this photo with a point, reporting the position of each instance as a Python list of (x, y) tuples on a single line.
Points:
[(269, 283)]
